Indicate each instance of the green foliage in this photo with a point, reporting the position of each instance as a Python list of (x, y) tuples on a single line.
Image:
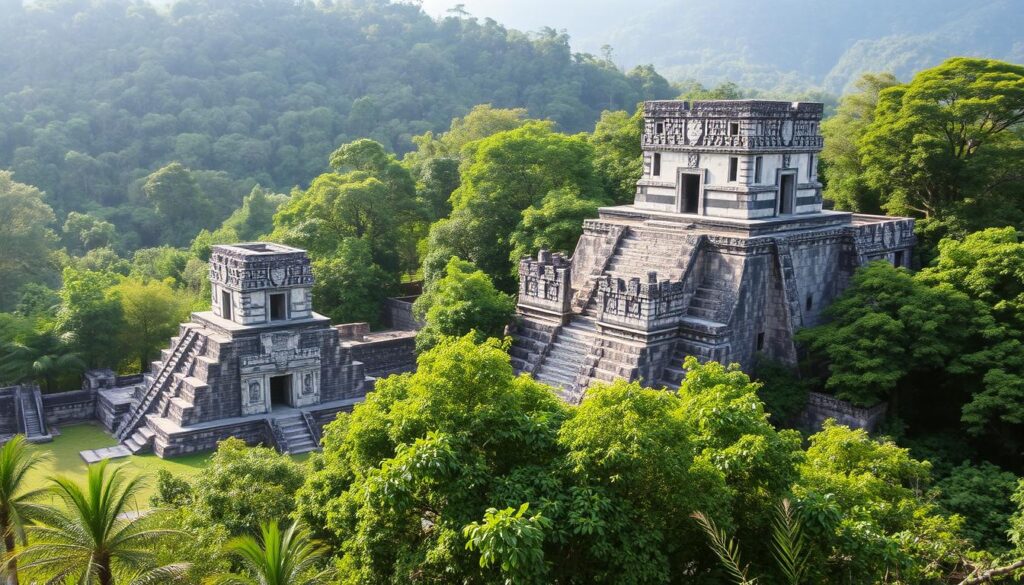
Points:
[(861, 503), (349, 287), (246, 486), (511, 541), (151, 313), (617, 155), (556, 224), (182, 206), (25, 238), (84, 232), (947, 143), (44, 356), (980, 494), (1016, 531), (90, 314), (503, 175), (17, 505), (783, 393), (95, 536), (277, 557), (463, 301), (843, 170)]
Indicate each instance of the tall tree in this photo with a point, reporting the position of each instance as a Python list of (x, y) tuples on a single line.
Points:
[(151, 312), (95, 537), (91, 315), (44, 355), (25, 237), (463, 300), (947, 145), (842, 167), (179, 201), (17, 500)]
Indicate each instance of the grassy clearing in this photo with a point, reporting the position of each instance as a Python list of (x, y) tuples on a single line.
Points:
[(64, 460)]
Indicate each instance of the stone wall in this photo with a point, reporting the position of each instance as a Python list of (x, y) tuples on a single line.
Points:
[(253, 432), (69, 407), (544, 285), (397, 314), (8, 413), (385, 353), (821, 407)]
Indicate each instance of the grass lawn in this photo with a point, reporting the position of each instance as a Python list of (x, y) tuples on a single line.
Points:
[(64, 459)]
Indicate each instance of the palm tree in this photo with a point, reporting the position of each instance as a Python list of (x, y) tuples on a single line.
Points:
[(43, 356), (95, 537), (276, 558), (16, 461)]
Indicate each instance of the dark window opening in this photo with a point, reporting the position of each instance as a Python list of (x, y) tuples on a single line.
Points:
[(760, 341), (897, 260), (278, 307), (786, 193), (810, 302), (734, 128), (656, 165), (734, 168), (659, 128), (691, 192), (758, 168), (225, 304), (280, 389), (810, 167)]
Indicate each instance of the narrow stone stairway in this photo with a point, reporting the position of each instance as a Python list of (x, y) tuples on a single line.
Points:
[(297, 436), (33, 426), (646, 250), (561, 366)]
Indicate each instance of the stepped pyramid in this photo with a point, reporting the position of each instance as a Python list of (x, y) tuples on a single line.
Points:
[(724, 254), (260, 366)]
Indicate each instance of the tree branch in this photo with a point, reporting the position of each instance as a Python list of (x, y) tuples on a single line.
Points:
[(991, 574)]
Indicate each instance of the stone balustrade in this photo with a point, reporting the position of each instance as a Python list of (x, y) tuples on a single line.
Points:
[(642, 306), (545, 285)]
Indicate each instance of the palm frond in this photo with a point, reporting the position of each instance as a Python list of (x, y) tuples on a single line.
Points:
[(725, 548)]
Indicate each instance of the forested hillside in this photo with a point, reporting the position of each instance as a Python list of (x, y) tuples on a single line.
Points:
[(95, 96), (772, 45)]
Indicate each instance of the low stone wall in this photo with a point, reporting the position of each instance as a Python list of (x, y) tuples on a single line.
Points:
[(69, 407), (397, 314), (8, 414), (253, 432), (386, 352), (821, 407)]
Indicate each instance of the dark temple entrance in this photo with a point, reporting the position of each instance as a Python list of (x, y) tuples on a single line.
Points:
[(786, 193), (690, 192), (281, 390)]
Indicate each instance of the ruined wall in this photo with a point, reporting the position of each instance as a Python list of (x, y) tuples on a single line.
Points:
[(69, 407), (386, 356), (821, 407)]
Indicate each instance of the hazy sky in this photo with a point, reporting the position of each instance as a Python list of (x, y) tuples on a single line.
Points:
[(583, 19)]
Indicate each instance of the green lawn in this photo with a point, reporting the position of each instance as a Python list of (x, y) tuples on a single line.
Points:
[(64, 459)]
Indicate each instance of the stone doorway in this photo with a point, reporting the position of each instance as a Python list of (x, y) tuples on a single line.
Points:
[(787, 188), (281, 390)]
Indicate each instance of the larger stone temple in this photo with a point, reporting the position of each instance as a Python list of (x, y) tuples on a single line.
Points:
[(725, 252), (260, 366)]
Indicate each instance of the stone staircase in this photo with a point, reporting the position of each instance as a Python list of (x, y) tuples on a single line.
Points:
[(141, 441), (570, 347), (157, 386), (296, 435), (709, 301), (531, 340), (35, 426), (645, 250)]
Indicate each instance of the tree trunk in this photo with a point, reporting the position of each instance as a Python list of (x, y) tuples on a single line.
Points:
[(103, 569), (12, 565)]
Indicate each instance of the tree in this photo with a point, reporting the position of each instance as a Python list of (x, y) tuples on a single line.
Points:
[(42, 355), (556, 224), (505, 174), (289, 557), (90, 314), (464, 300), (245, 486), (618, 158), (946, 144), (980, 494), (349, 287), (95, 537), (152, 311), (83, 232), (863, 505), (17, 505), (255, 218), (179, 201), (25, 237), (512, 541), (845, 183)]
